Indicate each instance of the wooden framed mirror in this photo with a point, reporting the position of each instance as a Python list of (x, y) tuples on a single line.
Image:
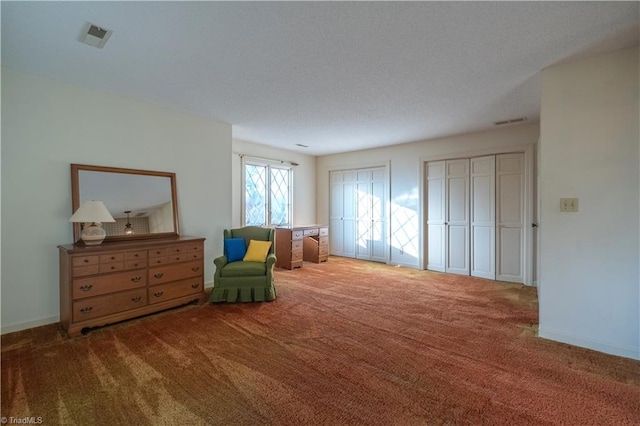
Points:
[(143, 202)]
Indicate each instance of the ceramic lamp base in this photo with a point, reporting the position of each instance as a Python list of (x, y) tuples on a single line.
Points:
[(93, 234)]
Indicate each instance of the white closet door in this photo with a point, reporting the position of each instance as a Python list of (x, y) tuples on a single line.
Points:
[(483, 220), (335, 214), (379, 247), (457, 196), (349, 214), (364, 215), (510, 217), (436, 215), (342, 240)]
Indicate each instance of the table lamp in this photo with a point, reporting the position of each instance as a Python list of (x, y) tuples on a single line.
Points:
[(92, 212)]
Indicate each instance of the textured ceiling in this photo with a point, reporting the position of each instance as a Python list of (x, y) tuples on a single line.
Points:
[(336, 76)]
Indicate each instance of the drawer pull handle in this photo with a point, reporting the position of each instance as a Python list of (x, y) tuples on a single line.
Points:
[(113, 267), (86, 287), (136, 279), (136, 299), (177, 257), (159, 275), (86, 310), (158, 293), (195, 268), (86, 261), (195, 285)]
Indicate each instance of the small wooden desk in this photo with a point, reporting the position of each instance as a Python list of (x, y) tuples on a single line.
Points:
[(295, 244)]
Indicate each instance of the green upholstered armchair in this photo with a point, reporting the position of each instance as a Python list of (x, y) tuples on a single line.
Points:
[(245, 281)]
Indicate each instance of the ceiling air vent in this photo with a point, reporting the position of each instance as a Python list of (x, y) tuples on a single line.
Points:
[(95, 36), (511, 121)]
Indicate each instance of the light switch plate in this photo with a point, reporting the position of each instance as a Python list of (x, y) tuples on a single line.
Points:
[(568, 204)]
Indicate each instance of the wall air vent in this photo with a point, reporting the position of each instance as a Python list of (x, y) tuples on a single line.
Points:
[(511, 121), (94, 35)]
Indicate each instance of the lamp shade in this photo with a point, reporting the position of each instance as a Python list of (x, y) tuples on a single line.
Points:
[(92, 211)]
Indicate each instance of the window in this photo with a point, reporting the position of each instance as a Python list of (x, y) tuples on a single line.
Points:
[(267, 193)]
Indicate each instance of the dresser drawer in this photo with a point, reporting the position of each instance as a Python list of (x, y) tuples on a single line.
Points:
[(95, 286), (85, 261), (193, 255), (177, 257), (111, 267), (81, 271), (135, 259), (158, 252), (195, 248), (135, 255), (135, 263), (110, 258), (164, 292), (162, 260), (104, 305), (175, 250), (168, 273)]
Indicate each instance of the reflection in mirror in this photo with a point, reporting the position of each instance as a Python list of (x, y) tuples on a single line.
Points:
[(143, 203)]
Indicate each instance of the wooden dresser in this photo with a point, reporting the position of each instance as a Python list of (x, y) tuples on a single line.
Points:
[(120, 280), (296, 244)]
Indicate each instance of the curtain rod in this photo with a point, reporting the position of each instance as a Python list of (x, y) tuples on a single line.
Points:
[(293, 163)]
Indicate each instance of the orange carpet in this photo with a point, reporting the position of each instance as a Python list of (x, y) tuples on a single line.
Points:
[(345, 343)]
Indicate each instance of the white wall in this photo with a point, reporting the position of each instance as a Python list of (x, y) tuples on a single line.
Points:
[(589, 148), (405, 163), (46, 126), (304, 180)]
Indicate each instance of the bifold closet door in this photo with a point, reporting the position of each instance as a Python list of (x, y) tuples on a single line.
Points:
[(448, 216), (358, 225), (483, 217), (510, 217), (436, 215), (342, 217), (457, 217), (370, 215)]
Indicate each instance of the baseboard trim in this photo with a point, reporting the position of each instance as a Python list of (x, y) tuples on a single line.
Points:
[(627, 352), (404, 265), (12, 328)]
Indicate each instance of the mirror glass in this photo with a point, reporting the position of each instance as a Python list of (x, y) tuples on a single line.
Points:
[(142, 202)]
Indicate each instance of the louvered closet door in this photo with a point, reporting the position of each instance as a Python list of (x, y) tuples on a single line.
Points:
[(510, 217), (483, 221), (457, 217)]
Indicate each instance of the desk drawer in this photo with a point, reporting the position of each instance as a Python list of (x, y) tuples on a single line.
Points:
[(311, 232)]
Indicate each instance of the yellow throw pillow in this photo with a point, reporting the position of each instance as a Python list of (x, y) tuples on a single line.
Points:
[(257, 251)]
